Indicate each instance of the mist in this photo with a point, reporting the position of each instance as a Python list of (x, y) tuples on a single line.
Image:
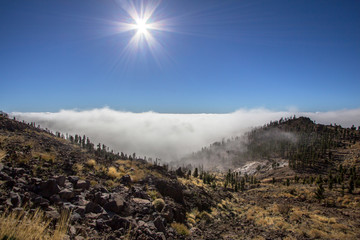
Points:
[(168, 136)]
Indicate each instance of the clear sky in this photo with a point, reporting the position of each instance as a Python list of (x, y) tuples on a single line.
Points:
[(204, 56)]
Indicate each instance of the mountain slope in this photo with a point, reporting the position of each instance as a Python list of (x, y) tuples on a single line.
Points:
[(304, 145), (119, 196)]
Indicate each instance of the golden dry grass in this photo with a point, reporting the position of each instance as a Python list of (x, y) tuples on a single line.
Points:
[(113, 173), (135, 170), (2, 154), (91, 163), (294, 220), (22, 225), (154, 194), (44, 156), (180, 228), (78, 167)]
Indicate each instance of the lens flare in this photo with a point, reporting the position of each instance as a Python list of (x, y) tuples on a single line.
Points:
[(141, 26), (144, 22)]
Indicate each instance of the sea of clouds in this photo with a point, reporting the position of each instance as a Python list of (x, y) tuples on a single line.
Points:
[(168, 136)]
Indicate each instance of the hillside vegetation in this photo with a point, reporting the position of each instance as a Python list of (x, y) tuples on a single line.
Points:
[(304, 185)]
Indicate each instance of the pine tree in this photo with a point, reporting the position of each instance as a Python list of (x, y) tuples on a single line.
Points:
[(319, 194), (196, 173), (351, 185)]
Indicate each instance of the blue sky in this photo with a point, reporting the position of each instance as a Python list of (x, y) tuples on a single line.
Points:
[(219, 56)]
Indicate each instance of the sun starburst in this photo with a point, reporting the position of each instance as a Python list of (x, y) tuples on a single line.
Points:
[(142, 20)]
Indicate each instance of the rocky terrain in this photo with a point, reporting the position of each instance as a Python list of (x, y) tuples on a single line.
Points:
[(104, 195)]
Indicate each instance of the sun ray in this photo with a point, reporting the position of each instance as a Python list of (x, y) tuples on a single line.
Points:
[(142, 20)]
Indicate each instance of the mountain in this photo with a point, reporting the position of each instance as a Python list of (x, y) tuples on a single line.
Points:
[(292, 179), (297, 142)]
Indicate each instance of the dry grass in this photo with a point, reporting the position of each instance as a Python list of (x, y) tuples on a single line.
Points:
[(91, 163), (192, 181), (78, 168), (180, 228), (322, 219), (295, 221), (154, 194), (49, 157), (205, 216), (113, 173), (192, 217), (137, 172), (110, 183), (22, 225), (2, 154)]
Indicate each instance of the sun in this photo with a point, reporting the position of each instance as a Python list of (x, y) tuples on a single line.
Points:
[(141, 26), (147, 25)]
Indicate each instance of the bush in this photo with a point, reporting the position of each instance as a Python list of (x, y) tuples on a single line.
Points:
[(91, 163), (159, 204), (180, 228), (153, 194), (205, 216), (113, 173)]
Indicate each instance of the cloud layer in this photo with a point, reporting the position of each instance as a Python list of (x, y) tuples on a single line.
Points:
[(169, 136)]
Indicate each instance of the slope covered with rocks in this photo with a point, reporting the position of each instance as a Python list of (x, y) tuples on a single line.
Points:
[(108, 199), (119, 196)]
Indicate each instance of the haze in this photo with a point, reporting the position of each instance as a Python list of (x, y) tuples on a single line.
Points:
[(168, 136)]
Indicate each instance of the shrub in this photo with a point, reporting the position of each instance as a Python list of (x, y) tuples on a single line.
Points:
[(113, 173), (180, 228), (78, 167), (91, 163), (153, 194), (205, 216), (159, 204)]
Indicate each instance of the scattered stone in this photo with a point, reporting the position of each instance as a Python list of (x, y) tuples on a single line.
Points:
[(48, 188), (141, 201), (82, 184), (101, 198), (117, 222), (54, 214), (55, 199), (126, 180), (60, 180), (73, 179), (116, 205), (40, 201), (92, 207), (66, 194), (171, 189), (15, 199), (159, 225)]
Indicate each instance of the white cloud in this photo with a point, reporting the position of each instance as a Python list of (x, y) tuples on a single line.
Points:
[(168, 135)]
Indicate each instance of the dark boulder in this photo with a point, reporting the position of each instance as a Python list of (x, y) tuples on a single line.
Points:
[(60, 180), (126, 180), (117, 222), (82, 184), (66, 194), (48, 188), (158, 222), (92, 207), (73, 179), (116, 205), (171, 189), (15, 199)]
